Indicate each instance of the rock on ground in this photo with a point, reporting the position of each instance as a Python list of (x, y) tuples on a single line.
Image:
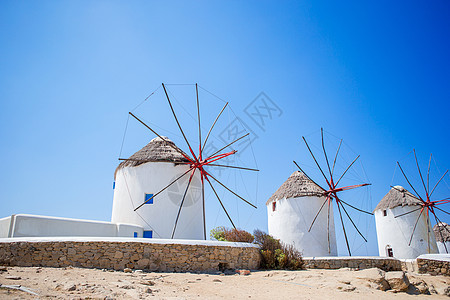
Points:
[(397, 280), (374, 276)]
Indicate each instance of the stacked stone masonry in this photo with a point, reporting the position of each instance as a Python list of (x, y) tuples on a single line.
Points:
[(433, 267), (133, 255), (386, 264)]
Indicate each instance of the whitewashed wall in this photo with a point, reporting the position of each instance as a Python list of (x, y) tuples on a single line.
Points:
[(441, 247), (132, 183), (43, 226), (291, 220), (4, 227), (396, 233)]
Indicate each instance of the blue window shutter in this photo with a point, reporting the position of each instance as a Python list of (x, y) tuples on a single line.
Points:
[(135, 234), (148, 234), (114, 185), (148, 196)]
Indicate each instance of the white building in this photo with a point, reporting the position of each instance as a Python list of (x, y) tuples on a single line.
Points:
[(442, 234), (147, 172), (394, 230), (291, 211)]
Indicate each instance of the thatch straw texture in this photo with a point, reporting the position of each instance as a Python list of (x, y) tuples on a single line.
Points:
[(157, 150), (397, 196), (297, 185), (444, 235)]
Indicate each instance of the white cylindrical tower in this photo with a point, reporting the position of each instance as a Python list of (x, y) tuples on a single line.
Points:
[(394, 231), (291, 210), (146, 173), (442, 234)]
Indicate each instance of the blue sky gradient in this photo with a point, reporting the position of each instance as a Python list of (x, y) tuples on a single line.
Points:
[(375, 74)]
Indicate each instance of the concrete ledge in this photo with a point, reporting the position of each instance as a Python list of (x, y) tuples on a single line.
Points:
[(356, 262), (120, 253), (129, 240)]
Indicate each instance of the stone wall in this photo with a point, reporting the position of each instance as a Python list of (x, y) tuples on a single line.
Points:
[(355, 262), (154, 256), (433, 266)]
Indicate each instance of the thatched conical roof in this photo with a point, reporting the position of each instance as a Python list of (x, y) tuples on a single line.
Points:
[(297, 185), (397, 196), (156, 151), (444, 234)]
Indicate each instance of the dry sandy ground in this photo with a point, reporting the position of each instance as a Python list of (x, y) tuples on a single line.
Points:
[(77, 283)]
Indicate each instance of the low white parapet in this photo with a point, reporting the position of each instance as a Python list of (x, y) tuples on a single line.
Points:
[(129, 240), (24, 225)]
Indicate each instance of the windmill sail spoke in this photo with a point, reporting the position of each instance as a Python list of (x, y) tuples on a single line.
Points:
[(220, 201), (343, 227), (404, 175), (321, 207), (409, 212), (228, 145), (328, 227), (326, 156), (321, 171), (348, 168), (438, 183), (209, 175), (181, 205), (192, 161), (350, 187), (199, 126), (203, 202), (178, 123), (335, 157), (164, 188), (233, 167), (367, 212), (442, 210), (428, 232), (428, 174), (414, 228), (209, 132), (169, 144), (333, 189), (440, 232), (354, 225), (308, 176), (420, 172)]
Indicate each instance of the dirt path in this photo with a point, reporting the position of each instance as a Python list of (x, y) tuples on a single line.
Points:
[(77, 283)]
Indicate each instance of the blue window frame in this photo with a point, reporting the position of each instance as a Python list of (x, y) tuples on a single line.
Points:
[(148, 196), (148, 234), (114, 185), (135, 234)]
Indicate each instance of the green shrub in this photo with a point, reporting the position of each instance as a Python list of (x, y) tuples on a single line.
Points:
[(277, 255), (238, 235), (268, 260), (274, 254), (218, 233), (231, 235)]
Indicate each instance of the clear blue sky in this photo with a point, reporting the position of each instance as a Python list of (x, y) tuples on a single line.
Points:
[(376, 74)]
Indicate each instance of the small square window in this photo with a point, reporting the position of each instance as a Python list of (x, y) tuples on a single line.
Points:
[(148, 234), (384, 213), (135, 234), (147, 197), (274, 206)]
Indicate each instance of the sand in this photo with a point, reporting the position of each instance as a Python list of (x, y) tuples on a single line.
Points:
[(77, 283)]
